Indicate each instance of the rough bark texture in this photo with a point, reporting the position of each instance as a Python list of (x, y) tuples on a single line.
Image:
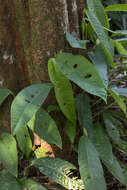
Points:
[(31, 32)]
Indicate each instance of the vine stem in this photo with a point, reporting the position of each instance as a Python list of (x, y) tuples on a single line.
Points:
[(98, 101), (25, 170), (107, 107)]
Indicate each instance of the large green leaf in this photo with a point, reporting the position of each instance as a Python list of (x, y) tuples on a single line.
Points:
[(118, 99), (24, 141), (90, 166), (63, 91), (8, 153), (58, 170), (84, 113), (116, 170), (103, 37), (99, 59), (102, 143), (8, 182), (29, 184), (26, 104), (78, 69), (118, 7), (75, 43), (97, 8), (4, 93), (44, 126), (112, 130)]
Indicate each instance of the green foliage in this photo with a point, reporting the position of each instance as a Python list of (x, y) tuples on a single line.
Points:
[(111, 128), (24, 141), (29, 184), (102, 36), (118, 7), (84, 113), (9, 182), (40, 152), (120, 91), (90, 166), (118, 99), (116, 170), (70, 130), (120, 48), (76, 43), (79, 70), (4, 93), (44, 126), (26, 104), (58, 170), (102, 143), (96, 7), (63, 91), (8, 155), (99, 59), (99, 109)]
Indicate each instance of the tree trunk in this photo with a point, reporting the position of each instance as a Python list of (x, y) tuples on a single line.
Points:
[(31, 32)]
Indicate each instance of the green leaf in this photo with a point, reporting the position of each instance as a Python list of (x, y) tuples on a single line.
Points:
[(120, 117), (8, 153), (102, 143), (63, 91), (24, 141), (58, 170), (125, 170), (26, 104), (97, 8), (87, 30), (114, 167), (75, 43), (70, 130), (40, 152), (117, 98), (111, 128), (8, 182), (4, 93), (103, 37), (84, 113), (120, 91), (120, 48), (30, 184), (78, 69), (51, 108), (44, 126), (119, 33), (90, 166), (118, 7), (122, 40), (99, 59), (116, 170), (122, 146)]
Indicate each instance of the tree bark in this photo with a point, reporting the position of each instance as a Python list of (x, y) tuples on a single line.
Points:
[(31, 32)]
